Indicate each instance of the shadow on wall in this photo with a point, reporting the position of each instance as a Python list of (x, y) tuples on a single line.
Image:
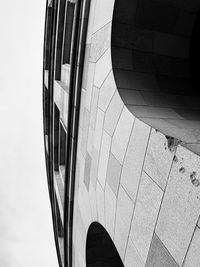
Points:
[(100, 249), (155, 57)]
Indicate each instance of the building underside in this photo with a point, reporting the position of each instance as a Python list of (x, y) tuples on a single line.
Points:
[(122, 131)]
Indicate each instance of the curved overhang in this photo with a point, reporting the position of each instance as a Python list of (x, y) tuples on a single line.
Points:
[(155, 51)]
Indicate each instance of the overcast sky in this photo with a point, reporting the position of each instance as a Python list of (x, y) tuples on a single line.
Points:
[(26, 237)]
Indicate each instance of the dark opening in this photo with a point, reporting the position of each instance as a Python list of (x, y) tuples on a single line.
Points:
[(195, 52), (68, 32), (59, 44), (100, 249), (155, 57), (48, 38), (56, 136)]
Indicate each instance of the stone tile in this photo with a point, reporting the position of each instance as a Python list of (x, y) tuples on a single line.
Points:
[(93, 202), (85, 131), (82, 107), (100, 42), (84, 205), (122, 58), (89, 85), (163, 100), (132, 97), (110, 210), (103, 13), (98, 129), (185, 23), (153, 112), (113, 173), (90, 140), (113, 113), (87, 170), (123, 221), (122, 134), (181, 206), (158, 158), (156, 16), (171, 45), (103, 158), (94, 167), (82, 168), (145, 215), (132, 257), (129, 36), (95, 96), (193, 255), (134, 158), (102, 69), (100, 203), (127, 79), (106, 92), (91, 21), (159, 256)]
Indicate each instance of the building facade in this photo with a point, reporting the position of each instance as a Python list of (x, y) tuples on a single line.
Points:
[(122, 132)]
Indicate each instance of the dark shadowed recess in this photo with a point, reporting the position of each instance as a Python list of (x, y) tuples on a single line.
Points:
[(100, 249), (155, 57)]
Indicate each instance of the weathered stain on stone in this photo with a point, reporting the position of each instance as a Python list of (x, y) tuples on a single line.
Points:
[(182, 170), (172, 143), (194, 180), (175, 159)]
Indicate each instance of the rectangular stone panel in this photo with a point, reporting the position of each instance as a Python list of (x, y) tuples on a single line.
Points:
[(113, 173), (87, 171), (145, 215), (158, 159), (122, 135), (134, 158), (158, 255), (181, 206)]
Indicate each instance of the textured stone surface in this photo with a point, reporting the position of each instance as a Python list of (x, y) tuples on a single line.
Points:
[(158, 159), (122, 134), (193, 255), (181, 204), (113, 113), (107, 91), (113, 173), (123, 221), (134, 158), (100, 203), (89, 85), (100, 42), (85, 131), (94, 167), (110, 209), (103, 158), (145, 215), (132, 257), (95, 96), (102, 69), (159, 256), (87, 170), (98, 129), (103, 13)]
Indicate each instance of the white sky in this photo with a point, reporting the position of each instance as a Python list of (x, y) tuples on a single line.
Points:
[(26, 236)]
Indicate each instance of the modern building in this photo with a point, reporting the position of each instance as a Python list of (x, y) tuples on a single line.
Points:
[(122, 131)]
